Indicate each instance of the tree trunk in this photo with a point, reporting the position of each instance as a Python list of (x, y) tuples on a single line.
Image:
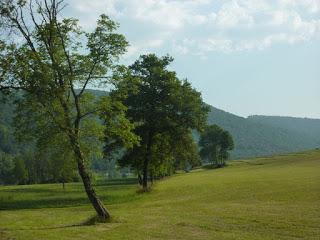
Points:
[(139, 179), (146, 162), (95, 201), (145, 174)]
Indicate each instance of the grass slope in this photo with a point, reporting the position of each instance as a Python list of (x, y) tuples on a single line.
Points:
[(264, 198)]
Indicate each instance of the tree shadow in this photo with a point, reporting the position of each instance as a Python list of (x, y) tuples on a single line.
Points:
[(91, 221), (11, 204), (28, 197), (117, 182)]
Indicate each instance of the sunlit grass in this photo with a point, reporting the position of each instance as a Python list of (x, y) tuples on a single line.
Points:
[(266, 198)]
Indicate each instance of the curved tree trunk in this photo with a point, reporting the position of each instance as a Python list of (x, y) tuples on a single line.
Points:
[(95, 201)]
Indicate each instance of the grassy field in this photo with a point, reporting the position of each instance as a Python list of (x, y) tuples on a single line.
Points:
[(264, 198)]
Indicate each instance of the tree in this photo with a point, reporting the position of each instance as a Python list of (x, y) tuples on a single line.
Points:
[(6, 168), (20, 171), (215, 144), (53, 61), (185, 160), (164, 110), (227, 144)]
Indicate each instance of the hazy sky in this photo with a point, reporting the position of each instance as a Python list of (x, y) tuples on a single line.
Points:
[(245, 56)]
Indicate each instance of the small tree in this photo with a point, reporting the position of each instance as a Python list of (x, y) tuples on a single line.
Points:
[(215, 144), (164, 110), (20, 172), (6, 168), (185, 160)]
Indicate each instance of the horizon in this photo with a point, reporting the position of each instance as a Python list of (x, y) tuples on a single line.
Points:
[(264, 115)]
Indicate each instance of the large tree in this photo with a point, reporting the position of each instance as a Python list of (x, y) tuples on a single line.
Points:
[(53, 61), (215, 144), (164, 110)]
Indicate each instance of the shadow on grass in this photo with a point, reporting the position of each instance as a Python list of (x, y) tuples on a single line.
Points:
[(11, 204), (23, 189), (117, 182), (45, 228), (88, 222), (213, 166), (74, 195)]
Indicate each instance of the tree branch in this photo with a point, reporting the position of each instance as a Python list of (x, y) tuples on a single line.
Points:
[(90, 112)]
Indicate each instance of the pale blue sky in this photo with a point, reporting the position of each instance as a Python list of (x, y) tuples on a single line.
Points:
[(245, 56)]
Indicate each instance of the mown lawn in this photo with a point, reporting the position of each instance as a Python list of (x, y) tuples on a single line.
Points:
[(265, 198)]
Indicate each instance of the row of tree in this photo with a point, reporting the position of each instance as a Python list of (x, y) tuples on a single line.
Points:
[(146, 121), (28, 167)]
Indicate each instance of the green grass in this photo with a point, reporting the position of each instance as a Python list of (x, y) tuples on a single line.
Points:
[(265, 198)]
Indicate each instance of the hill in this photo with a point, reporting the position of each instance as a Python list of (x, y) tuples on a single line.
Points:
[(264, 198), (262, 135), (306, 126), (253, 136)]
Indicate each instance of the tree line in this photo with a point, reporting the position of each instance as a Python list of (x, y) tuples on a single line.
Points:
[(146, 121)]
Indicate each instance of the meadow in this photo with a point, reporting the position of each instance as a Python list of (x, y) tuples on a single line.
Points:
[(263, 198)]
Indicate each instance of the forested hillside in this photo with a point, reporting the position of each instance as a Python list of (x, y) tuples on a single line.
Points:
[(253, 136), (258, 136), (306, 126), (7, 142), (25, 161)]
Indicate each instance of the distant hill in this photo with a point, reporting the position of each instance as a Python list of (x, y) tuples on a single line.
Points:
[(264, 135), (253, 136), (306, 126)]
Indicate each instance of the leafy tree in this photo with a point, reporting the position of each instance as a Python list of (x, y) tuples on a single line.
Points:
[(185, 160), (164, 110), (6, 168), (54, 61), (215, 144), (7, 141), (51, 150), (61, 162), (20, 171)]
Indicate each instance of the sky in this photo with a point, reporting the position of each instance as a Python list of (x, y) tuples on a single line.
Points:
[(247, 57)]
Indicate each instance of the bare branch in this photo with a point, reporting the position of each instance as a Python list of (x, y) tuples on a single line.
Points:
[(25, 34), (88, 78)]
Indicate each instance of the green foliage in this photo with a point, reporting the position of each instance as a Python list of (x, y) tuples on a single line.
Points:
[(164, 110), (6, 168), (215, 144), (118, 131), (186, 152), (20, 171), (260, 136), (250, 136), (307, 128), (53, 63)]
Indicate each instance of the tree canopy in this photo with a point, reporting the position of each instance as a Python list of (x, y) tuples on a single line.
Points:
[(53, 61), (164, 110), (215, 144)]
